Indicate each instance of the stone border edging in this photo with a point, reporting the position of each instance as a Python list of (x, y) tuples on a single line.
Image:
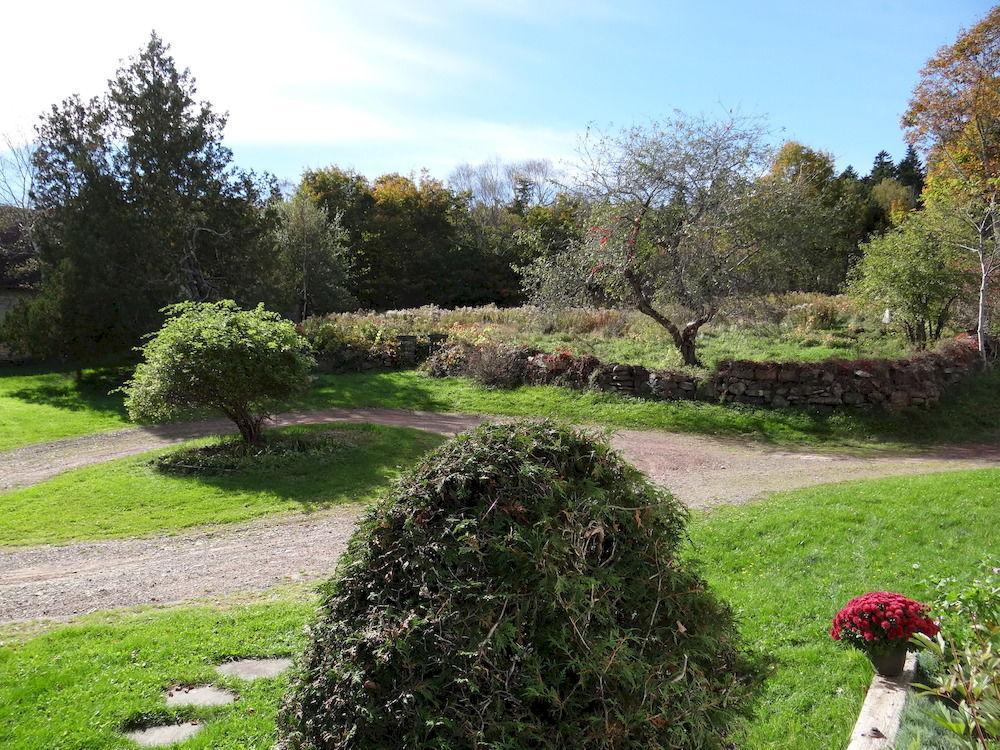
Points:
[(878, 721)]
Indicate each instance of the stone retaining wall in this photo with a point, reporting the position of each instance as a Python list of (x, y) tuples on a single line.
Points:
[(635, 380), (916, 381), (919, 380)]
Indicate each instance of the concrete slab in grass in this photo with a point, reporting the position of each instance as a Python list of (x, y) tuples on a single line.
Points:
[(165, 735), (200, 695), (254, 669)]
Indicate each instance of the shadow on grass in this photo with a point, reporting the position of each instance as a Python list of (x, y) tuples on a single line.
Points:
[(969, 412), (61, 390), (371, 456)]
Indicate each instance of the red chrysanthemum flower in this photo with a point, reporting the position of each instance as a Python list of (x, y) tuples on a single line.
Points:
[(881, 619)]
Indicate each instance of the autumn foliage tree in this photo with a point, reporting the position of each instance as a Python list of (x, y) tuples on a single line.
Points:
[(954, 115)]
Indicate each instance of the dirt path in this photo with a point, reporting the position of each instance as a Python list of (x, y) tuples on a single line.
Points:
[(68, 580), (63, 581)]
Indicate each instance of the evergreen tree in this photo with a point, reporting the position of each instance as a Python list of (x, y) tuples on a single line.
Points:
[(910, 171), (850, 173), (142, 208), (882, 168)]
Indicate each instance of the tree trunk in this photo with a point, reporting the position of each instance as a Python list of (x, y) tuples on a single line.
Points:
[(687, 348), (250, 427), (982, 332), (684, 339)]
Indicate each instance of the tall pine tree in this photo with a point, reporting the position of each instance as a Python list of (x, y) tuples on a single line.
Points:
[(882, 168), (910, 171), (143, 207)]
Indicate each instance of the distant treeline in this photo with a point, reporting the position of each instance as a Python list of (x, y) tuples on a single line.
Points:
[(135, 203)]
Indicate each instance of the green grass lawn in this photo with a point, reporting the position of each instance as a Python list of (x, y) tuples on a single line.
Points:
[(130, 497), (77, 687), (39, 405), (789, 563), (45, 406), (654, 349), (786, 564)]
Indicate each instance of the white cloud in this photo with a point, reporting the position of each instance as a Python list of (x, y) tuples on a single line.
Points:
[(293, 74), (244, 54)]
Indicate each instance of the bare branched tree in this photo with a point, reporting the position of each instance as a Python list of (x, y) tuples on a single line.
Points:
[(682, 214), (17, 171), (18, 214), (496, 185)]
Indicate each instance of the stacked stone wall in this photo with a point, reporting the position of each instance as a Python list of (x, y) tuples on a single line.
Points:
[(919, 380)]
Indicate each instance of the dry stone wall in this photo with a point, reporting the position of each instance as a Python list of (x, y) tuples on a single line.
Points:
[(919, 380), (915, 381), (635, 380)]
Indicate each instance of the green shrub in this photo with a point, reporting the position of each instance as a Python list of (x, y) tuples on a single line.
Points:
[(240, 363), (966, 653), (521, 588)]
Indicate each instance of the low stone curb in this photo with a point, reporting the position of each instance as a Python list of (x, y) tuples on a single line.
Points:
[(878, 721)]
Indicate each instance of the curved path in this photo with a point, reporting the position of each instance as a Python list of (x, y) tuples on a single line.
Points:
[(66, 580)]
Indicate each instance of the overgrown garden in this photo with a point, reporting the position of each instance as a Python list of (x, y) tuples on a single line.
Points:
[(520, 585)]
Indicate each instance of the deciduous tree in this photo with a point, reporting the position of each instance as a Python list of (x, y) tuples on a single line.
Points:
[(681, 222), (914, 271), (312, 263), (954, 115)]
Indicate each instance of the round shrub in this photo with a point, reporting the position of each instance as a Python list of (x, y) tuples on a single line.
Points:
[(521, 588), (215, 355)]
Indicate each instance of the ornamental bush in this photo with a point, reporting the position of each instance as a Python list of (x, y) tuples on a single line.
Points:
[(214, 355), (521, 588), (880, 620)]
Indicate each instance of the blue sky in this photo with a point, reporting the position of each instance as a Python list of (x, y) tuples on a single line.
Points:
[(390, 85)]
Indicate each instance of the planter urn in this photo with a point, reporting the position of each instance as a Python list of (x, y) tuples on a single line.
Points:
[(889, 663)]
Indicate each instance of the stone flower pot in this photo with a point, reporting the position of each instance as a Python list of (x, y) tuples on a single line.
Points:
[(890, 662)]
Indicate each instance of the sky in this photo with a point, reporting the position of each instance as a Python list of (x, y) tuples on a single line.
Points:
[(400, 85)]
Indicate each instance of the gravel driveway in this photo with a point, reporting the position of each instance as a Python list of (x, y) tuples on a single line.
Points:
[(67, 580)]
